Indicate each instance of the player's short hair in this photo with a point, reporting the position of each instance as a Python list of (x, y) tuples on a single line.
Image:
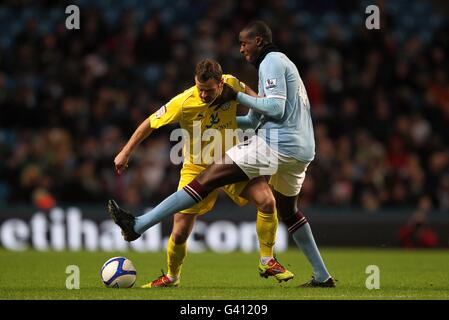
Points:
[(259, 28), (208, 69)]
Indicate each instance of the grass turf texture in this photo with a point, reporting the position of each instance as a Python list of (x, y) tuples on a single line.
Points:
[(233, 276)]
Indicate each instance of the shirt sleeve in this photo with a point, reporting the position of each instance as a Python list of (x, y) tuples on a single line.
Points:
[(235, 83), (167, 114), (272, 107), (274, 86), (273, 79)]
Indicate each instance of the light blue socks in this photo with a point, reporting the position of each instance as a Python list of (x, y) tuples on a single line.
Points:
[(176, 202), (305, 241)]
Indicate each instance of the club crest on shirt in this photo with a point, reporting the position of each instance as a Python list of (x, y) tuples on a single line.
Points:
[(225, 106), (200, 116), (270, 83), (160, 112)]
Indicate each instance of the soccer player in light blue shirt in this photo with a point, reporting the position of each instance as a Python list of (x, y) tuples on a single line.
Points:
[(285, 108), (284, 144)]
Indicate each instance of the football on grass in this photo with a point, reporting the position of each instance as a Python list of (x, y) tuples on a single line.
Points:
[(118, 272)]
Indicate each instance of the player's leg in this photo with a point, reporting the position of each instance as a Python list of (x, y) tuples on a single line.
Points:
[(299, 228), (177, 245), (176, 251), (227, 171), (301, 232), (214, 176), (287, 183), (259, 193)]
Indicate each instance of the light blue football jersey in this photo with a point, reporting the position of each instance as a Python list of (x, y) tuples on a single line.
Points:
[(293, 135)]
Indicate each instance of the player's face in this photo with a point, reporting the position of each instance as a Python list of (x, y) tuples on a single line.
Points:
[(209, 90), (249, 47)]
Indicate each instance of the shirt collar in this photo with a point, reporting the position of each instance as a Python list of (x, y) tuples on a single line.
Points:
[(263, 52)]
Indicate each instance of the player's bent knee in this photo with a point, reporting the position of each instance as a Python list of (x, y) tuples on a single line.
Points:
[(179, 237), (266, 205), (295, 221)]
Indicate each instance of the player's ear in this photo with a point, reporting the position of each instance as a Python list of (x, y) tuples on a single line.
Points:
[(259, 41)]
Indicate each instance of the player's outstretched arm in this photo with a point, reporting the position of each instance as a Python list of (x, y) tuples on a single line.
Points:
[(141, 133), (272, 106), (250, 91), (250, 120)]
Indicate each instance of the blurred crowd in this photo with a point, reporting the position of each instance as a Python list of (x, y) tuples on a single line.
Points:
[(70, 99)]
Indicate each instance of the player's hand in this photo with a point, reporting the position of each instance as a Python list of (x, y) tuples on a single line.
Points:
[(121, 162), (228, 94)]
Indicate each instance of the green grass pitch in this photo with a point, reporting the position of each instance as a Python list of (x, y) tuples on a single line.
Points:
[(404, 274)]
